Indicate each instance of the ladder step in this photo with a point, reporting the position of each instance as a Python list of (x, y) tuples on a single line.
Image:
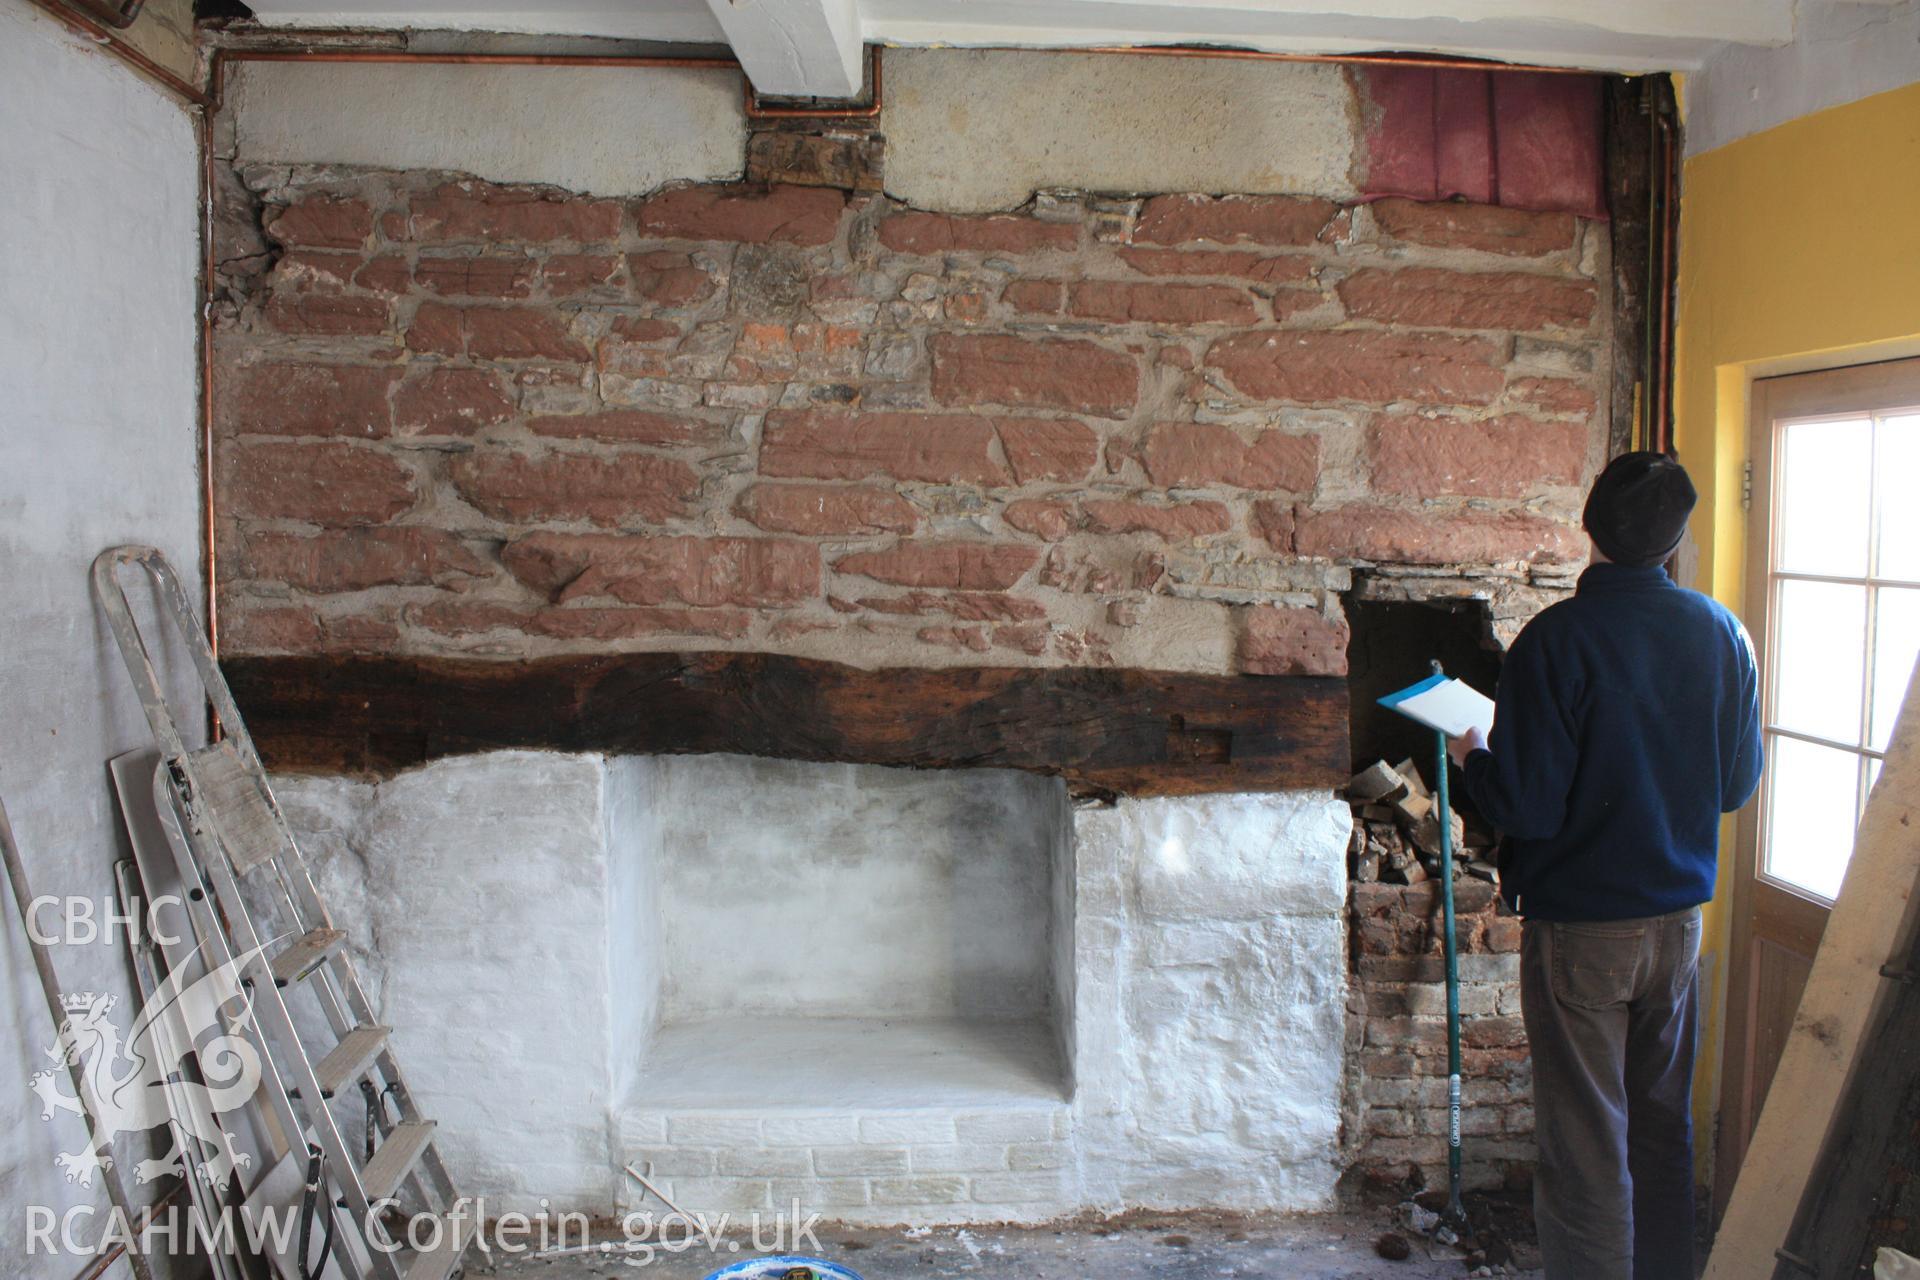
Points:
[(350, 1059), (395, 1158), (455, 1235), (305, 955), (233, 793)]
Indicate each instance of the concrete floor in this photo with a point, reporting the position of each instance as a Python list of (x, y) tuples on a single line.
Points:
[(1137, 1247)]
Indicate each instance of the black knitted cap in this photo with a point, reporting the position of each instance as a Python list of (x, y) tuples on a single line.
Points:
[(1638, 509)]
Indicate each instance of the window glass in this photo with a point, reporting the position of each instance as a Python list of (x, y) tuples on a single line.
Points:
[(1812, 809), (1898, 461), (1896, 644), (1824, 470), (1820, 642)]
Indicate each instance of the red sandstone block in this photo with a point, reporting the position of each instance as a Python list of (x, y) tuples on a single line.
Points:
[(303, 271), (1028, 637), (1069, 374), (322, 222), (450, 402), (969, 606), (630, 624), (832, 445), (1410, 537), (482, 212), (328, 484), (624, 488), (780, 215), (355, 559), (295, 630), (1460, 300), (325, 315), (1048, 448), (974, 638), (1121, 302), (567, 274), (1554, 395), (1035, 297), (628, 426), (1274, 521), (1368, 366), (308, 400), (1282, 269), (1276, 641), (437, 329), (1449, 224), (1278, 220), (824, 510), (937, 233), (469, 277), (1505, 457), (970, 566), (1198, 453), (1174, 521), (670, 279), (520, 333), (385, 274), (641, 329), (705, 572), (1042, 518)]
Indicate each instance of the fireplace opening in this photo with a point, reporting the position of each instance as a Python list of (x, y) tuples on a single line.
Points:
[(838, 938), (1392, 645)]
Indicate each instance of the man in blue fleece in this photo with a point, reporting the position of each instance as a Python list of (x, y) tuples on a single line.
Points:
[(1627, 721)]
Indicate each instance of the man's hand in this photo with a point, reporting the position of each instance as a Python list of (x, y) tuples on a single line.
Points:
[(1465, 745)]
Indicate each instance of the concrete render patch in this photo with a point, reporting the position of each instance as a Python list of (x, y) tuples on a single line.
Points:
[(976, 130), (599, 131)]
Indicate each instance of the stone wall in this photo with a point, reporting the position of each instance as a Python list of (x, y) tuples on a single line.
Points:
[(457, 418)]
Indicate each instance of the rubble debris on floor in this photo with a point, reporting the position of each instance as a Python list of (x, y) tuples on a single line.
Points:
[(1396, 831), (1134, 1246)]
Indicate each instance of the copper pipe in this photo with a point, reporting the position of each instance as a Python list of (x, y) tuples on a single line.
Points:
[(854, 111), (85, 26), (209, 567), (1661, 375), (99, 1265)]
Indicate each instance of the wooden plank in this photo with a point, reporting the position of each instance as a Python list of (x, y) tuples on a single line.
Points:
[(1106, 731), (1873, 920), (1629, 160)]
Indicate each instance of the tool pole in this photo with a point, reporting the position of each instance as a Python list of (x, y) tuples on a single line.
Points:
[(1456, 1213)]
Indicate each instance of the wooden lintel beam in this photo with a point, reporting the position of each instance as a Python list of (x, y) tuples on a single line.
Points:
[(1120, 732)]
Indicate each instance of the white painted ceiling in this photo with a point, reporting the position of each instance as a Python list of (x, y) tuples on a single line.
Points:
[(811, 47)]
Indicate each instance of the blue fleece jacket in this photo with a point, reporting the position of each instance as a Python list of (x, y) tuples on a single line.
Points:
[(1627, 720)]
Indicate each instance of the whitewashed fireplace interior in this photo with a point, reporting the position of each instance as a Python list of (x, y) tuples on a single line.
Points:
[(894, 996)]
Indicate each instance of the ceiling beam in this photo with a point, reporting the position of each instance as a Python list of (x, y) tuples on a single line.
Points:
[(795, 48)]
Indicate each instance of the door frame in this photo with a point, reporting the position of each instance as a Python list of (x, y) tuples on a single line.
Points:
[(1794, 918)]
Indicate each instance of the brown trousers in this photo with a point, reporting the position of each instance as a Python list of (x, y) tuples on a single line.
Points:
[(1612, 1014)]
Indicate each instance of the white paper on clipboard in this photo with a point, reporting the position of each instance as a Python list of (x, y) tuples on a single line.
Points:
[(1451, 706)]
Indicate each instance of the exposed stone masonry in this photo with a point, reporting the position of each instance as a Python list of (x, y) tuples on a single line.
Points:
[(462, 418)]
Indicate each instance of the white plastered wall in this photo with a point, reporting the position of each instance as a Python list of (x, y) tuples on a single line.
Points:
[(98, 262)]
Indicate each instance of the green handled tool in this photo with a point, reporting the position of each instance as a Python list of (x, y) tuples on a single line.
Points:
[(1456, 1213)]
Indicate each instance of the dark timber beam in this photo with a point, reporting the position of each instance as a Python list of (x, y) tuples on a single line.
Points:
[(1108, 732)]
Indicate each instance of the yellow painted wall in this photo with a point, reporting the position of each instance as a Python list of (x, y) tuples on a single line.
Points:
[(1799, 249)]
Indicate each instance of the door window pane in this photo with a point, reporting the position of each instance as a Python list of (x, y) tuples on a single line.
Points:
[(1820, 635), (1812, 808), (1824, 470), (1898, 463), (1896, 642)]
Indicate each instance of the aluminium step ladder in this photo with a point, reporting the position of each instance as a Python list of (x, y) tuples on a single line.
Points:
[(230, 829)]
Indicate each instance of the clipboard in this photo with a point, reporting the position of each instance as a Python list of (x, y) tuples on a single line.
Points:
[(1444, 703)]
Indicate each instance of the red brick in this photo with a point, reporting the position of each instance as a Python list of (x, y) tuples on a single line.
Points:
[(1122, 302), (450, 402), (1504, 457), (1176, 521), (1293, 642), (670, 279), (704, 572), (1554, 395), (1503, 934), (469, 277), (967, 566), (308, 400), (1179, 454), (1035, 297), (384, 274), (1284, 269), (1385, 534), (1460, 300), (324, 315), (627, 426), (521, 333), (295, 630), (821, 510), (774, 352), (938, 233), (355, 559), (1371, 367), (929, 448), (1450, 224), (482, 212), (643, 329), (437, 329), (322, 222), (566, 274), (301, 271), (1041, 518), (779, 215), (1048, 373), (620, 489), (965, 308), (1280, 220), (329, 484), (1048, 448)]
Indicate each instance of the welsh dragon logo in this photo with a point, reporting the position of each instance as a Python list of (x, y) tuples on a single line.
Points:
[(141, 1082)]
